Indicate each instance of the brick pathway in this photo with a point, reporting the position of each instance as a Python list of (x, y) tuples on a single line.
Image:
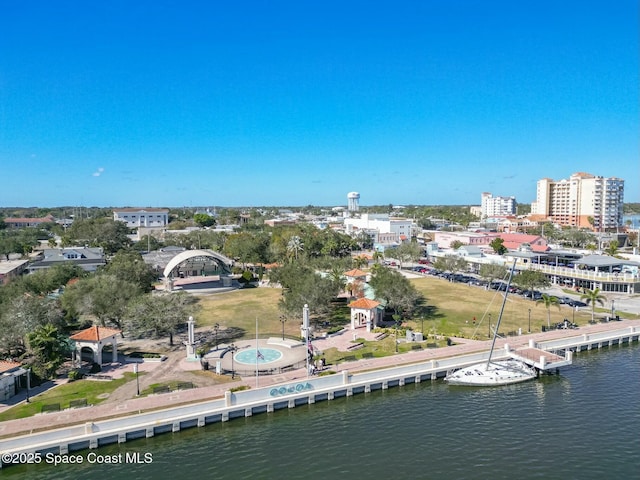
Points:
[(167, 400)]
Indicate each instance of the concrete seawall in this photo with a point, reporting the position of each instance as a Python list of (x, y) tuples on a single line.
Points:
[(267, 399)]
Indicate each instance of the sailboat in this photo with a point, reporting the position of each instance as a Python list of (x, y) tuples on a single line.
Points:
[(493, 373)]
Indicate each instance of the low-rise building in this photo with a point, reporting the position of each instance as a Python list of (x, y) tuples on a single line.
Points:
[(142, 217), (10, 269), (18, 222), (89, 258)]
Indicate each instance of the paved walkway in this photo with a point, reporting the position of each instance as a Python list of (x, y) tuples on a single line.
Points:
[(167, 400)]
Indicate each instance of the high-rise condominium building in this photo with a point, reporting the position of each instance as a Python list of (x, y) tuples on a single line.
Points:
[(497, 206), (584, 200)]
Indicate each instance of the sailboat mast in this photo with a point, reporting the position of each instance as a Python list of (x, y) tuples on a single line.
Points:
[(504, 301)]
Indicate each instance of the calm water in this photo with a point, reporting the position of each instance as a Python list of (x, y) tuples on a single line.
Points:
[(584, 423)]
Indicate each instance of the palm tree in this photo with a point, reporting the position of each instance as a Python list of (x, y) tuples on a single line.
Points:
[(336, 275), (612, 249), (377, 256), (48, 348), (548, 301), (360, 261), (295, 246), (592, 297)]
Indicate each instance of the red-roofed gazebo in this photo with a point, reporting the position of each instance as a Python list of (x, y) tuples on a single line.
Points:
[(365, 313), (96, 338)]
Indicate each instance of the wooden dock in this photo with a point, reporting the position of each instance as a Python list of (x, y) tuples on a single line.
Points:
[(542, 359)]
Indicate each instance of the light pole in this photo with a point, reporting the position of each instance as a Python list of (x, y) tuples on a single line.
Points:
[(489, 325), (397, 320), (282, 320), (28, 382), (422, 326), (613, 309), (135, 370), (216, 327), (232, 348), (529, 320)]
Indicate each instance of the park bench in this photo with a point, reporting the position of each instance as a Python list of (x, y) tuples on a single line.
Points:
[(81, 402), (51, 407)]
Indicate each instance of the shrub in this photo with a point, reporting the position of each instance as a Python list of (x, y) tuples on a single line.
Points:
[(74, 375)]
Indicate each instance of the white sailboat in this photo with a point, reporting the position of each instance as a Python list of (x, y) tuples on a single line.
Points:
[(493, 373)]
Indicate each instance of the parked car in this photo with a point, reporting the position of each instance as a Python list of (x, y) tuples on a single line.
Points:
[(576, 303)]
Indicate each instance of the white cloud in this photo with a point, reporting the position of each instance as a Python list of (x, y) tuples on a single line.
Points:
[(98, 172)]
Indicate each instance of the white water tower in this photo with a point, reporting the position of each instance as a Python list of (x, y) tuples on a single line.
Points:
[(353, 198)]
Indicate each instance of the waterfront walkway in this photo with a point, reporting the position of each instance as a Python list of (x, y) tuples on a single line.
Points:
[(166, 400)]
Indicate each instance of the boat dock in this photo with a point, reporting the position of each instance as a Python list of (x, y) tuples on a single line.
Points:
[(542, 360), (289, 394)]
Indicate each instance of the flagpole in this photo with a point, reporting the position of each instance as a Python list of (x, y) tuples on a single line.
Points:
[(257, 353), (305, 323)]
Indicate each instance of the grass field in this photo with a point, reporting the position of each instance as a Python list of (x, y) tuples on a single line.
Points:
[(93, 391), (454, 305), (240, 308), (451, 310)]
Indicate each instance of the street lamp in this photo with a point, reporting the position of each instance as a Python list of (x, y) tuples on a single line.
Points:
[(282, 320), (613, 309), (135, 370), (28, 382), (529, 320), (216, 327), (232, 348)]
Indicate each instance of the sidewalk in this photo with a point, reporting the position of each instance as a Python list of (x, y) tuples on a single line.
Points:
[(167, 400)]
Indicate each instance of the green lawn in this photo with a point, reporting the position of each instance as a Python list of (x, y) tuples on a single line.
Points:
[(452, 307), (88, 389)]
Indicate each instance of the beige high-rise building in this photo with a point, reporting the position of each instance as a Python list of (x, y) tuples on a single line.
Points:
[(584, 200)]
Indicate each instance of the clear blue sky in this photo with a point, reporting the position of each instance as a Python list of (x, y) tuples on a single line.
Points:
[(171, 103)]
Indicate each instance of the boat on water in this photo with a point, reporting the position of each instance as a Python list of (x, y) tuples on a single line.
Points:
[(493, 373)]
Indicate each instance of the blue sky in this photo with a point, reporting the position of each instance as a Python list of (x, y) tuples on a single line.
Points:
[(250, 103)]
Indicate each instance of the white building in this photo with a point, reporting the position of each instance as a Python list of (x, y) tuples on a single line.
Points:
[(584, 200), (142, 217), (380, 227), (497, 206)]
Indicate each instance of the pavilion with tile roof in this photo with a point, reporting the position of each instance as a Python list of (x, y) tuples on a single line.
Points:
[(96, 338), (365, 313)]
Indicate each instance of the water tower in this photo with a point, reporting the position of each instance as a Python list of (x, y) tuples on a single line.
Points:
[(353, 199)]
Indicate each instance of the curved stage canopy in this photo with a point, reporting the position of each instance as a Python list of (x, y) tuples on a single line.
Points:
[(198, 259)]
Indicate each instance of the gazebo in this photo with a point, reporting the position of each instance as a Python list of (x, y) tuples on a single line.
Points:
[(356, 274), (365, 312), (96, 338)]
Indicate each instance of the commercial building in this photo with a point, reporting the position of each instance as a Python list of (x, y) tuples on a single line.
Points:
[(142, 217), (584, 201), (380, 227)]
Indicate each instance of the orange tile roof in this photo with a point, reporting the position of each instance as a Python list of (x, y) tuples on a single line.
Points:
[(355, 273), (7, 366), (364, 303), (94, 334)]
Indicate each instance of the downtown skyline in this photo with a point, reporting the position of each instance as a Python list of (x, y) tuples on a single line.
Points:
[(279, 103)]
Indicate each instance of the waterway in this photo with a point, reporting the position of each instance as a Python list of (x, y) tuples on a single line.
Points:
[(583, 423)]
